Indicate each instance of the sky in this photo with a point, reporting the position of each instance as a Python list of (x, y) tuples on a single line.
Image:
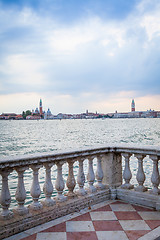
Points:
[(78, 55)]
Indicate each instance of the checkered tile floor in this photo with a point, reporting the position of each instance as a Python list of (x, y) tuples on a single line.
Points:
[(113, 220)]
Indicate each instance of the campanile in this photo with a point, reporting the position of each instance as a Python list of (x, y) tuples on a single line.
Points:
[(40, 107), (133, 106)]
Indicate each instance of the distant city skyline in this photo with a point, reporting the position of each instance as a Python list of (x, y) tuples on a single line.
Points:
[(78, 55), (40, 113)]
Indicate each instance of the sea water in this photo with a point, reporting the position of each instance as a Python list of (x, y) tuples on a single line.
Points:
[(31, 136)]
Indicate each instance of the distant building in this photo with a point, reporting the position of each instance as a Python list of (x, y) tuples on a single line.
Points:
[(48, 114), (33, 117), (38, 112), (10, 116), (133, 106), (40, 108)]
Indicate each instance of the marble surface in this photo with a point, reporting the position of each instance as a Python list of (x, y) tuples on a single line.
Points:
[(114, 220)]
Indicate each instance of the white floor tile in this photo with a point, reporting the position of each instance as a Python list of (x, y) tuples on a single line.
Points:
[(79, 226), (134, 225), (111, 235), (150, 215), (51, 236), (122, 207), (151, 235), (107, 215)]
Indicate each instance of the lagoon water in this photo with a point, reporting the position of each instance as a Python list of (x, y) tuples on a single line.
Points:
[(32, 136)]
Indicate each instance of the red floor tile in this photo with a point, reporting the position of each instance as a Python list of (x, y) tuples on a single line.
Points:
[(134, 235), (153, 223), (32, 237), (81, 236), (57, 228), (142, 209), (84, 217), (105, 208), (107, 226), (127, 215)]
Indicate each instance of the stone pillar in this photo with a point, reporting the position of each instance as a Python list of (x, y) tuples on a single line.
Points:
[(127, 175), (112, 169), (71, 182), (48, 186), (112, 172), (99, 173), (90, 176), (35, 189), (5, 198), (21, 192), (59, 184), (155, 176), (81, 178), (140, 174)]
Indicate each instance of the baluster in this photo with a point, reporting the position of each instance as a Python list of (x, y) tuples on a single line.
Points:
[(5, 198), (155, 176), (127, 175), (99, 174), (81, 178), (71, 183), (21, 192), (90, 176), (48, 186), (35, 188), (59, 185), (140, 174)]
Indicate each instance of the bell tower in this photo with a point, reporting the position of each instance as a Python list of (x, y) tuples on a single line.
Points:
[(133, 106), (40, 107)]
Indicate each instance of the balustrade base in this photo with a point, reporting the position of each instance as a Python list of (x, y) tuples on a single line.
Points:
[(100, 186), (154, 191), (35, 206), (81, 192), (22, 210), (6, 215), (61, 198), (91, 189), (141, 189), (140, 198), (48, 202), (127, 186), (71, 195), (35, 218)]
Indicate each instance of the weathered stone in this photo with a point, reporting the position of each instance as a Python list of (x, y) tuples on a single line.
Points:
[(112, 169), (108, 173)]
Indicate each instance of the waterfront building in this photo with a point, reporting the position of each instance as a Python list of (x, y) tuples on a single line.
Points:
[(33, 117), (10, 116), (36, 111), (48, 115)]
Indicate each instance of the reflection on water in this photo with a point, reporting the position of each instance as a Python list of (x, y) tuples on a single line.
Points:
[(29, 137)]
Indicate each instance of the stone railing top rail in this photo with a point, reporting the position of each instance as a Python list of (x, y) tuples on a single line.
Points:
[(14, 161)]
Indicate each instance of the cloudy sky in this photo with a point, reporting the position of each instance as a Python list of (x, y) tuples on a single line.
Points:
[(79, 54)]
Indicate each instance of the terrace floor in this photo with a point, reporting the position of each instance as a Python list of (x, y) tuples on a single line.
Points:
[(110, 220)]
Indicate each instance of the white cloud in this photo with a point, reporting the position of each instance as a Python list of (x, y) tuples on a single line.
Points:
[(92, 56), (24, 70)]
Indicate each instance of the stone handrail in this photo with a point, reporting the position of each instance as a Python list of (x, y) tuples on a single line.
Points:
[(108, 177)]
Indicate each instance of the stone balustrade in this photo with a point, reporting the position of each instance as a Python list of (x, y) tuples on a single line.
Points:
[(103, 181)]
